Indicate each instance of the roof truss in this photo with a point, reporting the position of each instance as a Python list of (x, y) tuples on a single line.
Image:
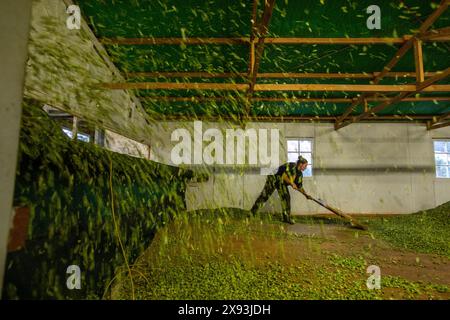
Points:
[(424, 81)]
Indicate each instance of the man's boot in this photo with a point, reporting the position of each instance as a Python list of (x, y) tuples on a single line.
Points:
[(287, 218)]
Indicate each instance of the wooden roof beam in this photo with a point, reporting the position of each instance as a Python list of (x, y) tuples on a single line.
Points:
[(399, 54), (418, 61), (420, 87), (285, 100), (442, 34), (438, 125), (273, 75), (269, 40), (439, 122), (253, 32), (261, 32), (275, 87), (291, 118)]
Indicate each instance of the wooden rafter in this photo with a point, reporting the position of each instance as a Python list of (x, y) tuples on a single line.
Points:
[(443, 117), (439, 122), (399, 54), (253, 32), (251, 60), (418, 60), (422, 118), (274, 87), (348, 87), (175, 41), (273, 75), (438, 125), (420, 87), (261, 32), (287, 100), (177, 86), (442, 34), (444, 37)]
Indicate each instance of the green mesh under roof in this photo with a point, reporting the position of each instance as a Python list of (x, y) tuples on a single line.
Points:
[(232, 18)]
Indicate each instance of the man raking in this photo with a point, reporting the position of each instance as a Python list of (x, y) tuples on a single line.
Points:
[(288, 175), (291, 175)]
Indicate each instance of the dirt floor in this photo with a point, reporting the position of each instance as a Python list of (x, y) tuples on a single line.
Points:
[(226, 255)]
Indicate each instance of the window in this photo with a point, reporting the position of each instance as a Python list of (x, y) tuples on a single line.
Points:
[(300, 147), (442, 158), (80, 136)]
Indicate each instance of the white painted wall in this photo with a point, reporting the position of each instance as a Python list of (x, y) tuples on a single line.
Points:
[(118, 143), (363, 168)]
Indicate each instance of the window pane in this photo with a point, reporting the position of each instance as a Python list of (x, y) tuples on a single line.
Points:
[(441, 158), (308, 172), (441, 172), (440, 146), (448, 146), (67, 132), (292, 157), (83, 137), (305, 146), (307, 156), (292, 146)]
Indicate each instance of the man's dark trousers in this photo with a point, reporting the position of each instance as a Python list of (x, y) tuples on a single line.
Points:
[(273, 183)]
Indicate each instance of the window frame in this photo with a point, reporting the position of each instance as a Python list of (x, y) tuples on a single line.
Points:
[(446, 140), (298, 139)]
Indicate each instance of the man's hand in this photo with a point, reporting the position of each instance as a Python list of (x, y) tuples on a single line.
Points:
[(294, 186)]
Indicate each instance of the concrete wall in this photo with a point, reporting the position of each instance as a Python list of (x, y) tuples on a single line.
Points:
[(363, 168), (14, 30)]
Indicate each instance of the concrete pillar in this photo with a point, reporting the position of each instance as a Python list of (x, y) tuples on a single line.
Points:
[(15, 18)]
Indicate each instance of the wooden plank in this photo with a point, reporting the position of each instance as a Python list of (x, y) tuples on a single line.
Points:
[(174, 41), (348, 87), (418, 60), (246, 40), (185, 75), (343, 41), (443, 117), (176, 86), (287, 100), (253, 32), (289, 118), (439, 125), (420, 87), (436, 121), (261, 32), (273, 87), (434, 16), (442, 34), (273, 75)]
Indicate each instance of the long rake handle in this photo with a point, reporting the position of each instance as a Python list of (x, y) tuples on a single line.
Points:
[(350, 219)]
